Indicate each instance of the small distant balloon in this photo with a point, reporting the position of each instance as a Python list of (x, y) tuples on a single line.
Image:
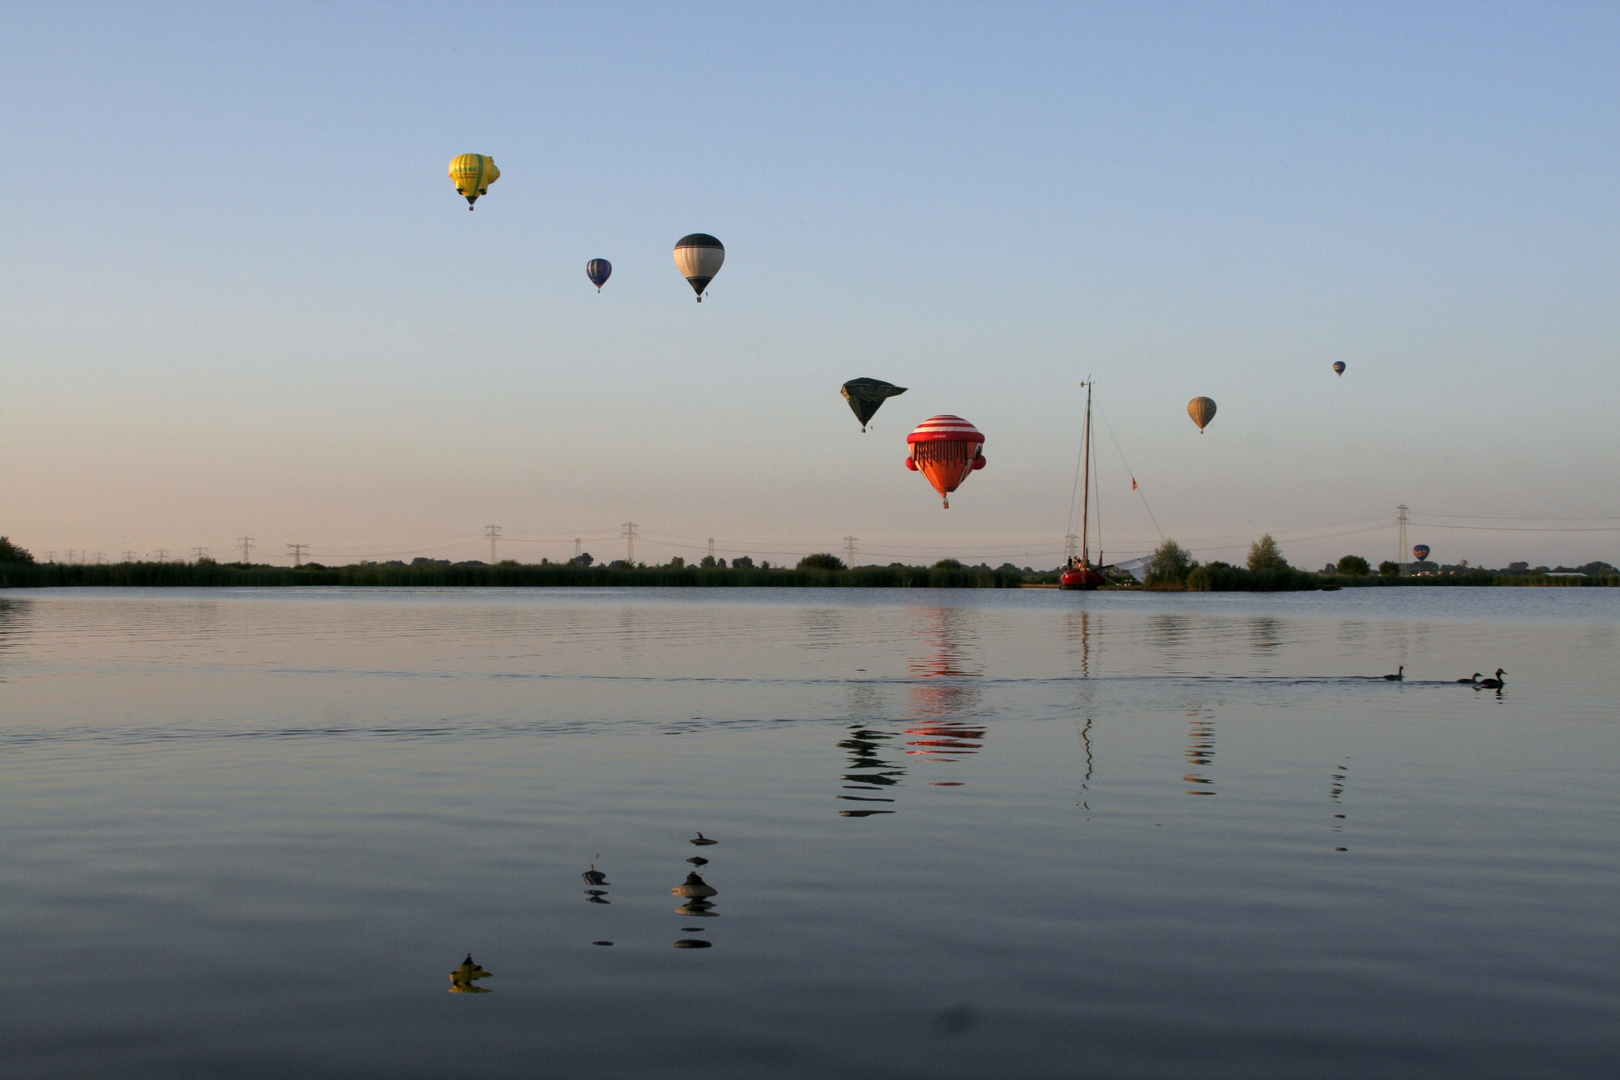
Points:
[(866, 397), (472, 174), (1202, 411), (598, 270), (1420, 551), (946, 449), (699, 257), (1338, 367)]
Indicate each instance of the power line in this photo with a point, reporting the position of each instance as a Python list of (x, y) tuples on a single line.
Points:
[(298, 553), (849, 550), (161, 555), (200, 552), (247, 543), (493, 533), (629, 535), (129, 556)]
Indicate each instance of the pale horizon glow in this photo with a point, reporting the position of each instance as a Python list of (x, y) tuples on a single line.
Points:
[(240, 296)]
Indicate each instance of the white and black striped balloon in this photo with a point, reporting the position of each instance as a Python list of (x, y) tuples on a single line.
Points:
[(699, 257)]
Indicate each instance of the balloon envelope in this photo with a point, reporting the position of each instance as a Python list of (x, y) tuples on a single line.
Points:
[(945, 449), (473, 173), (866, 397), (1421, 551), (598, 270), (699, 257), (1338, 367), (1202, 411)]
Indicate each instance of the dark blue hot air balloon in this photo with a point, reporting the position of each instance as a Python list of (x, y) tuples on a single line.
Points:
[(598, 270), (1338, 367), (1421, 551)]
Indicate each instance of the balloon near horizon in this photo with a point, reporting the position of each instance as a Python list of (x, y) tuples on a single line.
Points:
[(945, 449), (1420, 552)]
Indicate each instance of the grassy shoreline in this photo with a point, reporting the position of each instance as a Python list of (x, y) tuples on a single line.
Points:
[(562, 575)]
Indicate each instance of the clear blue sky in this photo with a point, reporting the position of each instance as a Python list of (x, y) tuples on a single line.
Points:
[(240, 296)]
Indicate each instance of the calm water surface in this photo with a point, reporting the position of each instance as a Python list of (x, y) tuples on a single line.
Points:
[(961, 834)]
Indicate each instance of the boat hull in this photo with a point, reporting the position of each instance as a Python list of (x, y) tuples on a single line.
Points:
[(1081, 577)]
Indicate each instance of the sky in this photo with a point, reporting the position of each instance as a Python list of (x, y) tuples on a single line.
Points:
[(239, 295)]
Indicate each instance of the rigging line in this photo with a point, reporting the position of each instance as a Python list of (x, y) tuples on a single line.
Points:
[(1074, 491), (1511, 517), (1515, 528), (1137, 487), (1096, 469)]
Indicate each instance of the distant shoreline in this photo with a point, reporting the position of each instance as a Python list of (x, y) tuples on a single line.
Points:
[(566, 575)]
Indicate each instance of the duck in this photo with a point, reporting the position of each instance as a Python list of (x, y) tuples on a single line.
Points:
[(593, 876), (1471, 681), (703, 840), (1492, 684), (1399, 676)]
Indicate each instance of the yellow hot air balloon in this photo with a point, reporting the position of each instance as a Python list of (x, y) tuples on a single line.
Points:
[(1202, 411), (473, 173)]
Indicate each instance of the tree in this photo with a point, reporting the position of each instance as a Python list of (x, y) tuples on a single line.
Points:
[(677, 563), (707, 562), (948, 564), (821, 560), (10, 552), (742, 562), (1354, 566), (1389, 569), (1170, 565), (1264, 554), (582, 559)]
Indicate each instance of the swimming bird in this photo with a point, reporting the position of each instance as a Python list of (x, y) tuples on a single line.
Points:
[(1492, 684), (698, 860), (703, 840), (1400, 675), (593, 876), (1475, 679)]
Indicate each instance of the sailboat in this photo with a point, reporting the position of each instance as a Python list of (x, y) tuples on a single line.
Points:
[(1078, 573)]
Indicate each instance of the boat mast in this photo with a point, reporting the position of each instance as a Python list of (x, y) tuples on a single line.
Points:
[(1085, 501)]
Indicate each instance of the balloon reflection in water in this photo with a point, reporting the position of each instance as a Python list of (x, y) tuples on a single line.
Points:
[(696, 892), (952, 640), (1201, 753), (461, 979), (867, 771)]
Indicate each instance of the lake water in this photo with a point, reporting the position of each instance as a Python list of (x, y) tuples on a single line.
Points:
[(960, 834)]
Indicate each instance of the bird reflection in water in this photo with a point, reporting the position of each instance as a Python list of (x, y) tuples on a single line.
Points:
[(1201, 753), (867, 770), (462, 979)]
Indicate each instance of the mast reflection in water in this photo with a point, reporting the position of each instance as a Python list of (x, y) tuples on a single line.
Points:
[(1201, 753)]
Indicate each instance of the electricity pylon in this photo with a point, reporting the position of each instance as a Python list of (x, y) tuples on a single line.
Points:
[(629, 535)]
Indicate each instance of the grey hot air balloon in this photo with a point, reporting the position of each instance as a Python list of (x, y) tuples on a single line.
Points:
[(699, 257), (866, 397)]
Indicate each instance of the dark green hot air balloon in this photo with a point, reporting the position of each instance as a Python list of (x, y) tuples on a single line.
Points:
[(866, 397)]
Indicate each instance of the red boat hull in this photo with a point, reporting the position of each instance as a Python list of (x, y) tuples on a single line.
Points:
[(1081, 577)]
